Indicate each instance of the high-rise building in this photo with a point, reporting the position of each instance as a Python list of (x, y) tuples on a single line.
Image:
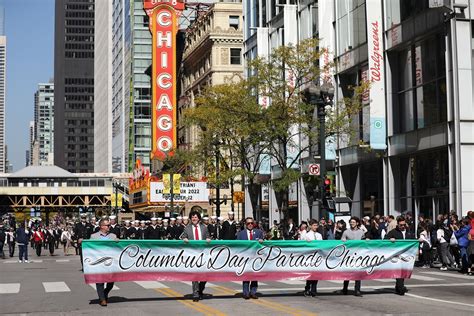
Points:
[(412, 142), (44, 122), (74, 85), (103, 87), (3, 74), (31, 142)]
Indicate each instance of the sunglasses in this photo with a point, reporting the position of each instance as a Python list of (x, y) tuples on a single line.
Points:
[(248, 223)]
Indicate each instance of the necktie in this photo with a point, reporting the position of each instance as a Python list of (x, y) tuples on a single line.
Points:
[(251, 235), (196, 233)]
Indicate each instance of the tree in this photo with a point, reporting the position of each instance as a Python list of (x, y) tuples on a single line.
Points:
[(283, 128)]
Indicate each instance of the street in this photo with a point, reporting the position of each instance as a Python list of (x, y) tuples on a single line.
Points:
[(55, 286)]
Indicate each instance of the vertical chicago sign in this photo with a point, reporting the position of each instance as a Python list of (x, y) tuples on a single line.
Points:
[(163, 16)]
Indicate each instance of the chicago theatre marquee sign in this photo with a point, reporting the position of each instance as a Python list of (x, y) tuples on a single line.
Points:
[(164, 17)]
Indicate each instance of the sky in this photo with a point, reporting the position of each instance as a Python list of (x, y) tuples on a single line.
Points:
[(29, 27)]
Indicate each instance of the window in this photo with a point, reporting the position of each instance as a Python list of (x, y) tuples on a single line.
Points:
[(234, 21), (420, 85), (351, 21), (235, 56)]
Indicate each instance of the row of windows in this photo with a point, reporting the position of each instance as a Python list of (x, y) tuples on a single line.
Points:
[(79, 38), (79, 106), (73, 22), (79, 122), (79, 30), (82, 97), (76, 89), (83, 7), (79, 55), (79, 46), (79, 14), (79, 81)]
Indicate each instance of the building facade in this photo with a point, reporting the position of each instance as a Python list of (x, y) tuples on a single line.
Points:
[(413, 136), (44, 123), (103, 87), (3, 75), (212, 55), (74, 85)]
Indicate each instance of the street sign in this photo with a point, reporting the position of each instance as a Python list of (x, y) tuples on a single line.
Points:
[(314, 170)]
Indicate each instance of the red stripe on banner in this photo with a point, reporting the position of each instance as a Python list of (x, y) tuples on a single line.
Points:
[(229, 276)]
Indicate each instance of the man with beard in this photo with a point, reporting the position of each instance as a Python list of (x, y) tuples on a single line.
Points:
[(153, 231), (229, 228)]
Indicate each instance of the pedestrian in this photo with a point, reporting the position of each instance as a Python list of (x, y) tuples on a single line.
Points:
[(400, 232), (289, 230), (66, 240), (311, 287), (11, 241), (104, 234), (50, 240), (3, 237), (462, 234), (38, 238), (443, 236), (82, 230), (57, 236), (249, 288), (425, 245), (196, 231), (353, 233), (22, 239)]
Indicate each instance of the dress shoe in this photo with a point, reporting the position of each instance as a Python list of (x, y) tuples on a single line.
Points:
[(103, 303), (306, 294), (401, 291), (358, 294), (254, 296), (246, 297), (314, 294), (195, 298)]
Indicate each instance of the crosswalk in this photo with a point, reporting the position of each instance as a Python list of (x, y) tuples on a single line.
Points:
[(427, 278)]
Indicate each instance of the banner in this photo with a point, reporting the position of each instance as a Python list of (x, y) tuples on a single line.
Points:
[(378, 128), (188, 191), (241, 260)]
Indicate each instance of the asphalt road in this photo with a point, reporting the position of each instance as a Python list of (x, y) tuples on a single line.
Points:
[(55, 286)]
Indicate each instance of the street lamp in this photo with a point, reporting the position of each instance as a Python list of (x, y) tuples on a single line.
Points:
[(321, 98)]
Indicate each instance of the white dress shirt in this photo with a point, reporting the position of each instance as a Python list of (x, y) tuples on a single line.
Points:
[(311, 235)]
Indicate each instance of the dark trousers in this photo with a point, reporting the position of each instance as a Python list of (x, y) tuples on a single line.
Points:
[(249, 287), (2, 254), (399, 284), (198, 288), (311, 286), (23, 252), (51, 247), (11, 248), (356, 286), (56, 243), (104, 292), (38, 248)]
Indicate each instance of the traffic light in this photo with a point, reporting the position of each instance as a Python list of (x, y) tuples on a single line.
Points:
[(327, 187)]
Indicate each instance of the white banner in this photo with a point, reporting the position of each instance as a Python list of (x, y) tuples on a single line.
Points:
[(378, 129), (190, 191)]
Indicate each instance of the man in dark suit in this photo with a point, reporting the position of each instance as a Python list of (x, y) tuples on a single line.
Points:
[(400, 233), (290, 230), (196, 231), (250, 233)]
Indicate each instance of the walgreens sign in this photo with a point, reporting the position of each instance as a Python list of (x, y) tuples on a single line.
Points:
[(163, 17)]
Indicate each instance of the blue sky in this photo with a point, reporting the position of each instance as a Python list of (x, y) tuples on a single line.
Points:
[(29, 27)]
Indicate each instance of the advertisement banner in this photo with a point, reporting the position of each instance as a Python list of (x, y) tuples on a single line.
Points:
[(240, 260), (163, 17), (189, 191), (378, 128)]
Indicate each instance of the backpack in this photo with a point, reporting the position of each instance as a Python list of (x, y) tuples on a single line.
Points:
[(447, 234)]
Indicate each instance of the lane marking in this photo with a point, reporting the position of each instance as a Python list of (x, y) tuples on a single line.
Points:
[(438, 300), (151, 285), (332, 288), (10, 261), (259, 283), (268, 304), (115, 288), (452, 275), (191, 283), (424, 278), (55, 287), (9, 288), (62, 260), (293, 282), (197, 306)]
